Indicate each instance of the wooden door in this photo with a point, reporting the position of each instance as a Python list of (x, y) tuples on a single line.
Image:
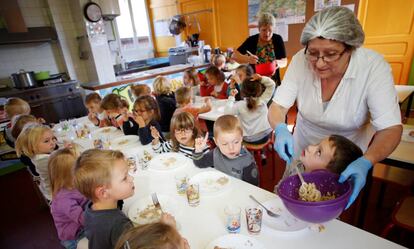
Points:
[(389, 30), (206, 19)]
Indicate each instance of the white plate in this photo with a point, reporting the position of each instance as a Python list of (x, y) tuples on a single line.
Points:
[(236, 241), (125, 141), (286, 222), (406, 137), (212, 182), (168, 161), (168, 205), (110, 130)]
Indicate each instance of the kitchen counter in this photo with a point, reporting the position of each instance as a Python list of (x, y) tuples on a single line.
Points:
[(8, 92), (135, 77)]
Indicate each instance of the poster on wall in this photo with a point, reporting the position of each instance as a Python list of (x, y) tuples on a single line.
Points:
[(285, 11), (322, 4)]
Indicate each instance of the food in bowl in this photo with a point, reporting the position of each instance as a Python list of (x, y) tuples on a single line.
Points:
[(319, 211), (169, 161), (222, 180), (106, 130), (150, 214), (125, 141)]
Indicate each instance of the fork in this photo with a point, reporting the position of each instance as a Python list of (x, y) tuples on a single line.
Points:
[(156, 202), (270, 213)]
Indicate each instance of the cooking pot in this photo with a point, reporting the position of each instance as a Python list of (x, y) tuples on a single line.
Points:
[(23, 79)]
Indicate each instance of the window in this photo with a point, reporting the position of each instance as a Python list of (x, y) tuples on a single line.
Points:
[(133, 29)]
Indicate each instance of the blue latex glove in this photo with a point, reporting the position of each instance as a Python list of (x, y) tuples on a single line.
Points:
[(284, 142), (357, 171)]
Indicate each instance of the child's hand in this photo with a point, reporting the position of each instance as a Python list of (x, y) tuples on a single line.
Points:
[(236, 78), (168, 219), (93, 118), (139, 120), (214, 94), (41, 120), (256, 77), (155, 135), (234, 92), (200, 143)]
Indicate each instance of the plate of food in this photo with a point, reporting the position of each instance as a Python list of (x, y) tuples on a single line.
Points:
[(408, 135), (286, 222), (168, 161), (143, 210), (238, 241), (211, 182), (105, 131), (125, 141)]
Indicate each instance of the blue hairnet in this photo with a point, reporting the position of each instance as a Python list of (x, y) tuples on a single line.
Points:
[(334, 23)]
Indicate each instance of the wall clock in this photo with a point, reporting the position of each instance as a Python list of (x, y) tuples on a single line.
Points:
[(92, 12)]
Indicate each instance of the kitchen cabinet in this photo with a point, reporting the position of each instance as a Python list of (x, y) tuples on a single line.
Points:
[(54, 102)]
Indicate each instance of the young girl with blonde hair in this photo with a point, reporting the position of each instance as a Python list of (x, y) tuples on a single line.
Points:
[(166, 101), (68, 203), (37, 141), (252, 110), (183, 133), (145, 115)]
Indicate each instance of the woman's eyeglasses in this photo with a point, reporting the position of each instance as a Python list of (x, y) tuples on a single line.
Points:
[(329, 58), (183, 131)]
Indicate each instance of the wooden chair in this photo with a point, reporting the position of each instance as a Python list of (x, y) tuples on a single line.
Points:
[(402, 216), (267, 148)]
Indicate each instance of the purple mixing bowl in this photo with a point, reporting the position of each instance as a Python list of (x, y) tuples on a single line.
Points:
[(315, 212)]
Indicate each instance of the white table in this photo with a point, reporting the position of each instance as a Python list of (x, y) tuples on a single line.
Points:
[(403, 155), (216, 111), (204, 223), (405, 92)]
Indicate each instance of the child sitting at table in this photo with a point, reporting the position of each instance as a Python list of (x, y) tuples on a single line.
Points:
[(12, 107), (37, 141), (116, 108), (219, 61), (240, 74), (95, 113), (229, 156), (145, 115), (252, 110), (154, 235), (68, 203), (166, 101), (183, 96), (139, 90), (102, 177), (191, 79), (18, 122), (333, 153), (216, 86), (183, 133)]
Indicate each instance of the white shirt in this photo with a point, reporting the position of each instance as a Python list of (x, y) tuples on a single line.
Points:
[(365, 100), (255, 123), (40, 161)]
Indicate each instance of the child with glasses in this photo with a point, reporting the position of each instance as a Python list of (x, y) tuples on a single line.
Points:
[(145, 114), (183, 133)]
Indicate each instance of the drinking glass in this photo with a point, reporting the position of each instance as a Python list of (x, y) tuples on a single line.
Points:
[(232, 214), (132, 164), (181, 182), (193, 194), (254, 219)]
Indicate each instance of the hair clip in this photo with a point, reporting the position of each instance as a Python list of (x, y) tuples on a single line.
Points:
[(126, 245)]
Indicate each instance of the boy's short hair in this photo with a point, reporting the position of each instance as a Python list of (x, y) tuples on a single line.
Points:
[(140, 90), (93, 97), (227, 123), (94, 169), (161, 85), (183, 95), (112, 101), (16, 106), (345, 153)]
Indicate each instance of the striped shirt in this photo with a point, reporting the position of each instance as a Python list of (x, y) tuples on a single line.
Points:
[(166, 146)]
